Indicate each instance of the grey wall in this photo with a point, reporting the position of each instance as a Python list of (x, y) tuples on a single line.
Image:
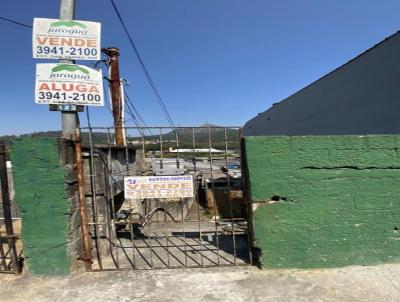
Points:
[(361, 97)]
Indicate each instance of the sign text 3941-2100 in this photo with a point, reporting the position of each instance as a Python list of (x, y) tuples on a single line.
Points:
[(72, 51), (72, 84), (64, 97)]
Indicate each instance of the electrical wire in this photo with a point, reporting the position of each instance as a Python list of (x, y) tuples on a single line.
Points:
[(134, 119), (128, 109), (132, 110), (145, 70), (107, 96), (15, 22), (138, 115)]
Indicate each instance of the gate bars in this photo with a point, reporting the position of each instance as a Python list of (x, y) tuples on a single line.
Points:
[(207, 230), (10, 261)]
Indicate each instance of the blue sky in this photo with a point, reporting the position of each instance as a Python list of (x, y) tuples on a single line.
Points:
[(216, 61)]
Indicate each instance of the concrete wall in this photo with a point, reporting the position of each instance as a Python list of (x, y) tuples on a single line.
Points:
[(325, 201), (40, 192), (361, 97)]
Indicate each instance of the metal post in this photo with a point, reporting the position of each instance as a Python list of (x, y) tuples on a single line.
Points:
[(69, 119), (116, 98), (71, 130), (5, 193), (87, 257)]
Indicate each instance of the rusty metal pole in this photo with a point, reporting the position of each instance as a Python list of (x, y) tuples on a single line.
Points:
[(5, 194), (87, 245), (116, 97)]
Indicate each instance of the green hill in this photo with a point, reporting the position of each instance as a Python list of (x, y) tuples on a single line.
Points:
[(202, 137)]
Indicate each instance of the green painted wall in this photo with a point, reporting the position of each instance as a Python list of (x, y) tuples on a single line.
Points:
[(339, 200), (39, 183)]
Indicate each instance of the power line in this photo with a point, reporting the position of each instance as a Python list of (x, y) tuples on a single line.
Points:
[(107, 96), (134, 109), (15, 22), (145, 70), (134, 113), (134, 119), (148, 76), (129, 110), (129, 106)]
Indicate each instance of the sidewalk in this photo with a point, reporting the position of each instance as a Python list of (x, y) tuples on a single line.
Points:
[(379, 283)]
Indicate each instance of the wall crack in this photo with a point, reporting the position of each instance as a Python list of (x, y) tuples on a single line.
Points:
[(350, 168)]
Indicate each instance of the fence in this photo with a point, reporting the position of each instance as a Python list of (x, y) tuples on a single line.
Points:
[(10, 244), (206, 229)]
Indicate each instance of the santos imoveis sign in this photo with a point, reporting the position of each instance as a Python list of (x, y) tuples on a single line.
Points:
[(158, 186)]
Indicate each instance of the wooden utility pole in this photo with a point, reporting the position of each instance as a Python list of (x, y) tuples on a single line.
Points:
[(116, 97)]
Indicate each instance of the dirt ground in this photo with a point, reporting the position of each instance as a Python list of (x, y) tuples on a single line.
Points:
[(378, 283)]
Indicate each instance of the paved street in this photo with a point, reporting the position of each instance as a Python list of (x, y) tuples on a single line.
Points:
[(379, 283)]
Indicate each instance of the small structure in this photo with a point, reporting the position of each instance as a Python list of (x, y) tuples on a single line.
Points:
[(196, 150), (168, 166)]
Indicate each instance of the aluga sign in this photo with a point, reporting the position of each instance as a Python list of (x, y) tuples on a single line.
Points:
[(179, 186), (68, 84), (63, 39)]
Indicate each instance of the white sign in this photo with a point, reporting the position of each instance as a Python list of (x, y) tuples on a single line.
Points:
[(180, 186), (69, 84), (62, 39)]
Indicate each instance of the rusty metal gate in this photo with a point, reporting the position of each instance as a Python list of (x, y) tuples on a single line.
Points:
[(208, 229), (10, 244)]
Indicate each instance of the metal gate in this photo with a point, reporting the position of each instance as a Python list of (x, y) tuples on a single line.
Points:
[(10, 244), (208, 229)]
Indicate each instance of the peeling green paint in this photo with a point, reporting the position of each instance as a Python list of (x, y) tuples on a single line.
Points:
[(39, 183), (346, 193)]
